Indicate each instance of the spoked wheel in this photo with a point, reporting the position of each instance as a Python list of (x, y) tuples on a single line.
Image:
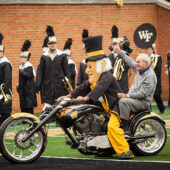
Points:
[(152, 145), (11, 145)]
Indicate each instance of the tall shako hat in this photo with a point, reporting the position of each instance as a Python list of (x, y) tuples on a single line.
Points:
[(50, 34), (45, 46), (85, 34), (67, 46), (24, 50), (93, 46), (1, 46), (115, 39)]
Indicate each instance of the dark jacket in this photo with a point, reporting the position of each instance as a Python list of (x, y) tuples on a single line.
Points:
[(6, 79), (158, 70), (26, 87), (123, 82), (50, 76), (107, 85), (72, 71), (82, 76)]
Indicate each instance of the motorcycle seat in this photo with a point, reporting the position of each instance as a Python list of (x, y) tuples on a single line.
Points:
[(143, 111), (132, 114)]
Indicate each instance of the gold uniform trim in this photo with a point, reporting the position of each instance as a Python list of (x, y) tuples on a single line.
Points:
[(94, 53)]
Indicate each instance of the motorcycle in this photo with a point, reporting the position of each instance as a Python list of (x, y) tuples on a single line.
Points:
[(23, 136)]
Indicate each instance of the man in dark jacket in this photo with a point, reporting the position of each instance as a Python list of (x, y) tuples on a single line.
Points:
[(157, 67), (120, 68), (26, 86), (82, 76), (5, 83), (53, 68), (71, 64)]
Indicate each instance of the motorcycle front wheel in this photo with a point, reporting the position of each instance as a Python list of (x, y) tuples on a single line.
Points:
[(11, 146), (152, 145)]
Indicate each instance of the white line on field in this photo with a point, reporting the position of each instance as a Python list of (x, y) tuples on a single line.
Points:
[(114, 160)]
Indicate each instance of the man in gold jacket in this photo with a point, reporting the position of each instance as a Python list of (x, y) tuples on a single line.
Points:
[(102, 86)]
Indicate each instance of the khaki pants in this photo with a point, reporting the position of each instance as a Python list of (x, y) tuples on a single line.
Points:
[(116, 135)]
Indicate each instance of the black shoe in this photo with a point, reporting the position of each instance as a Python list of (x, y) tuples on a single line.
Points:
[(126, 155), (162, 111), (125, 126)]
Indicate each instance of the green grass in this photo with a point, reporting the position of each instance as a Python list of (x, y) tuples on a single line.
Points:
[(56, 146), (165, 115)]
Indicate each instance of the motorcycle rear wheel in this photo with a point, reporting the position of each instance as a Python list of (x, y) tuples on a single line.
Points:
[(13, 149), (153, 145)]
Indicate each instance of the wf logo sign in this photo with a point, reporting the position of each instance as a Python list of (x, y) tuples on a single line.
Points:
[(144, 35)]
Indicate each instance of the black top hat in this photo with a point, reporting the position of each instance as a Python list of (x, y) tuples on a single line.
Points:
[(1, 46), (24, 50), (93, 46)]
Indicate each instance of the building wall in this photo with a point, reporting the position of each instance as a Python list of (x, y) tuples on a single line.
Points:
[(21, 22)]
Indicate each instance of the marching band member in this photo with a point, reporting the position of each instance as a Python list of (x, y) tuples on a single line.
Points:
[(44, 49), (5, 83), (52, 70), (71, 64), (120, 68), (26, 86), (82, 76), (157, 67)]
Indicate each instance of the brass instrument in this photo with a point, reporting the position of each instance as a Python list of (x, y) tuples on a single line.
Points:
[(154, 58), (67, 84), (6, 97), (118, 69)]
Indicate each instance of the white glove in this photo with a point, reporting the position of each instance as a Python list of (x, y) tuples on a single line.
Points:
[(47, 107)]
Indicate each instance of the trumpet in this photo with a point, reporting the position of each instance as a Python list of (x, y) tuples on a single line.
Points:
[(154, 61), (118, 69), (7, 98), (67, 84)]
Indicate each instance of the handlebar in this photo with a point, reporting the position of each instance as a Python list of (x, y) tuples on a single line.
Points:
[(64, 102), (68, 101)]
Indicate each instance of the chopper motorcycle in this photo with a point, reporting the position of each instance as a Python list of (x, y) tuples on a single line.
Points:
[(23, 136)]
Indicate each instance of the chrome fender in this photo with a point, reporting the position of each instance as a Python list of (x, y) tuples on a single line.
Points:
[(18, 115), (142, 116)]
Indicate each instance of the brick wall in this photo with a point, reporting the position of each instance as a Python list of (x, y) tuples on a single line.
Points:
[(21, 22)]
